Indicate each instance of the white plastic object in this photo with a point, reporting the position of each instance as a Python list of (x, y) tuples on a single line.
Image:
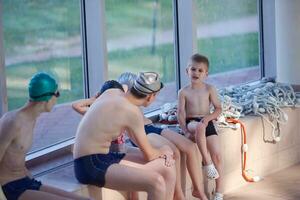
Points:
[(285, 117), (256, 178), (245, 148), (238, 126), (277, 139), (221, 119), (164, 116), (172, 118)]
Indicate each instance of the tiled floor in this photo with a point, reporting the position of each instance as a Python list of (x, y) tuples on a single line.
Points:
[(283, 185)]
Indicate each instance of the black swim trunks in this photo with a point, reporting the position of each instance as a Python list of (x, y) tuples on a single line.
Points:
[(14, 189), (150, 128), (91, 169), (210, 129)]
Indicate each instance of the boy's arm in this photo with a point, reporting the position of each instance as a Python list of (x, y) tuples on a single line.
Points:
[(137, 133), (81, 106), (213, 96), (181, 114)]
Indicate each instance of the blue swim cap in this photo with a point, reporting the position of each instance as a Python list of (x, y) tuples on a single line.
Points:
[(41, 87), (110, 84)]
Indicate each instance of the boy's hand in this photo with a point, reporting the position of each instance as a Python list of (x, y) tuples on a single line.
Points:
[(167, 155), (205, 121), (169, 160), (190, 136)]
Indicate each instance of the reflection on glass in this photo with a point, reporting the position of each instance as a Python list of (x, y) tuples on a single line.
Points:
[(140, 38), (228, 34), (44, 36)]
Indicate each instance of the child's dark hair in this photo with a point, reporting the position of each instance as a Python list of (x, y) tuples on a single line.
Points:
[(198, 58), (111, 84)]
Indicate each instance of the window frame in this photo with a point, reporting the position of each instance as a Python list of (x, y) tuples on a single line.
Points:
[(3, 90)]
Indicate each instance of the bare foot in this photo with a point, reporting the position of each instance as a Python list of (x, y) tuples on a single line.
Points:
[(199, 195)]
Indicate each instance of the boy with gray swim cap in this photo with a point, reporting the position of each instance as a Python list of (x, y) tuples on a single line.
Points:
[(147, 83), (111, 114)]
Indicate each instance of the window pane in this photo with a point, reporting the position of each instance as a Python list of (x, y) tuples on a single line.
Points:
[(140, 38), (228, 33), (44, 36)]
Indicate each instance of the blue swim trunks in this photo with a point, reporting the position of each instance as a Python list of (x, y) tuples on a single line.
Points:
[(14, 189), (91, 169), (149, 128)]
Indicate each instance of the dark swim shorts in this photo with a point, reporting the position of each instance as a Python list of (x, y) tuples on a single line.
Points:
[(14, 189), (149, 128), (210, 129), (91, 169)]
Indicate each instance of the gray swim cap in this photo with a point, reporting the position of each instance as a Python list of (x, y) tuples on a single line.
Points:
[(148, 83), (127, 78)]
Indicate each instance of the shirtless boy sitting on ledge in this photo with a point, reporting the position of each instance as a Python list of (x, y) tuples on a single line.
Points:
[(111, 113)]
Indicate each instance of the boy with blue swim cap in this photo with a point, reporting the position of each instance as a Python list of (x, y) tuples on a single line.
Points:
[(42, 87), (16, 133)]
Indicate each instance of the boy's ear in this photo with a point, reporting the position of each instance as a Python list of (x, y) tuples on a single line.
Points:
[(125, 87), (150, 96)]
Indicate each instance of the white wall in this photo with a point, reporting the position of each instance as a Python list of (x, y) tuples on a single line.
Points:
[(287, 26)]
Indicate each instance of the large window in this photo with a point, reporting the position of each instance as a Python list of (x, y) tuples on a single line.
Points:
[(140, 37), (228, 33), (43, 35)]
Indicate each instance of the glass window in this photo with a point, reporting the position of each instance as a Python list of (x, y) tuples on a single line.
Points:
[(44, 36), (140, 37), (228, 34)]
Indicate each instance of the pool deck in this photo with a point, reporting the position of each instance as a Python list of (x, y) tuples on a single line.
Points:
[(282, 185)]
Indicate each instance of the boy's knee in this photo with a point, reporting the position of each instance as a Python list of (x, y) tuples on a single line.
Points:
[(190, 149), (158, 184)]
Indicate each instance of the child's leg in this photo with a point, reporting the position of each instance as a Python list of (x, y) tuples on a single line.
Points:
[(153, 177), (213, 144), (193, 165), (198, 129), (158, 141)]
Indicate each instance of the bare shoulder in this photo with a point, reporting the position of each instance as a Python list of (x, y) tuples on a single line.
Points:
[(131, 112), (184, 90), (211, 88), (9, 124)]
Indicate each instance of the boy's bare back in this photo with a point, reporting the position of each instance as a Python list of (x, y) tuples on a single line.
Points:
[(108, 116)]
